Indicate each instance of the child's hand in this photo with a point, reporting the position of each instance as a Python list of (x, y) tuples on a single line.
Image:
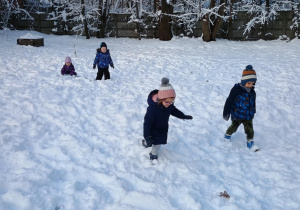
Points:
[(94, 66), (188, 117), (148, 141), (226, 117)]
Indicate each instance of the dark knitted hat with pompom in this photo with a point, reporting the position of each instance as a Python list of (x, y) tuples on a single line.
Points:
[(249, 74), (103, 44), (166, 90)]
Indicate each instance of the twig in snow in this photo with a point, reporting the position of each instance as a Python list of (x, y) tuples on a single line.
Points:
[(224, 194)]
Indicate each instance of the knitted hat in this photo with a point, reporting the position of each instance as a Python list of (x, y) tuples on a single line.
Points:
[(68, 60), (166, 90), (103, 44), (248, 75)]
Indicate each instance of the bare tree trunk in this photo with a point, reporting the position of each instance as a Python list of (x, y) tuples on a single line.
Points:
[(86, 30), (264, 25), (99, 32), (205, 29), (165, 33), (103, 18), (212, 18), (229, 21), (21, 3), (211, 23), (138, 17), (267, 4), (218, 21), (156, 6)]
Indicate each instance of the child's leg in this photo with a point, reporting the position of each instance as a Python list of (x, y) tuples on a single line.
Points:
[(155, 149), (99, 74), (233, 127), (106, 74), (248, 127)]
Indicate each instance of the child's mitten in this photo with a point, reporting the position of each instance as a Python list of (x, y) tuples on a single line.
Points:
[(148, 141), (226, 117), (187, 117)]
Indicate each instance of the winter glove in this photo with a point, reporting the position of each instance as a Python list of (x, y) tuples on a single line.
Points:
[(148, 142), (187, 117), (226, 117), (113, 66), (94, 66)]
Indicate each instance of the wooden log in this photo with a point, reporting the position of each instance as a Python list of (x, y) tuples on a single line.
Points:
[(32, 42)]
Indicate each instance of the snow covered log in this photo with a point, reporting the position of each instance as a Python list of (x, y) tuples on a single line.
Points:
[(30, 39), (33, 42)]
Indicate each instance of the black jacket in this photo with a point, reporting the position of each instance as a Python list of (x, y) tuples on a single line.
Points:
[(156, 121)]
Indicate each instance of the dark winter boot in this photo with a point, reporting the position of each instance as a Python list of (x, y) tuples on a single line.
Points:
[(152, 157)]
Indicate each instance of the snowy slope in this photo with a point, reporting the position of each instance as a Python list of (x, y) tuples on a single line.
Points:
[(71, 142)]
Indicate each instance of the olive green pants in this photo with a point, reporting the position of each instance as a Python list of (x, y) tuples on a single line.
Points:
[(248, 127)]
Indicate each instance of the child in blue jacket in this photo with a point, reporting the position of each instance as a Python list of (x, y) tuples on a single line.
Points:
[(103, 60), (156, 121), (241, 106)]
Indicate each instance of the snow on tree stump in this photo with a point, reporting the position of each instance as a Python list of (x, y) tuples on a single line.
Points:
[(30, 39)]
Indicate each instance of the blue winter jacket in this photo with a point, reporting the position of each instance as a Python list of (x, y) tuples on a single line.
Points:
[(103, 60), (156, 121), (240, 104)]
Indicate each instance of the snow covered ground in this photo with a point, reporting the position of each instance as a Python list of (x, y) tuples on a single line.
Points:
[(69, 143)]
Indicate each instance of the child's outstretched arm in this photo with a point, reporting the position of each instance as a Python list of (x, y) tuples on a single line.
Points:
[(179, 114)]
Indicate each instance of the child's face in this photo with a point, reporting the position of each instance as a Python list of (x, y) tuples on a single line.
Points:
[(68, 63), (103, 49), (249, 84), (168, 101)]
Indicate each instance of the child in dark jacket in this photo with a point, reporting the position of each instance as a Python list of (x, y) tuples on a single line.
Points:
[(241, 106), (156, 121), (68, 68), (103, 60)]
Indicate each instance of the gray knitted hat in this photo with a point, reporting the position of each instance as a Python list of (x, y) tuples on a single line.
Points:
[(166, 90)]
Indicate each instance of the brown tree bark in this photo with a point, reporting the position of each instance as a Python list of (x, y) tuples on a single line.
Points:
[(267, 3), (156, 6), (205, 29), (86, 30), (21, 3), (218, 21), (229, 21), (211, 23), (103, 18), (138, 24), (165, 33)]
